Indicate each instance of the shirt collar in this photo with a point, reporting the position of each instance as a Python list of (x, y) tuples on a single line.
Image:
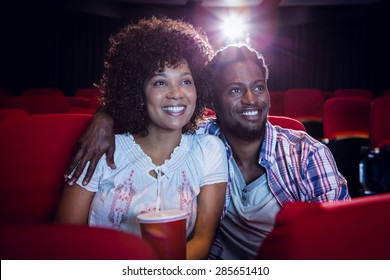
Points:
[(268, 146)]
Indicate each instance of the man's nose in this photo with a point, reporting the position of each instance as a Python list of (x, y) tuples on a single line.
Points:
[(248, 98)]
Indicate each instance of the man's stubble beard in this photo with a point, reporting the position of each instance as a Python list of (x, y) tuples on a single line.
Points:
[(249, 134)]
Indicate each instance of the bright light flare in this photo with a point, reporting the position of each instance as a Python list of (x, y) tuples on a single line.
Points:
[(233, 28)]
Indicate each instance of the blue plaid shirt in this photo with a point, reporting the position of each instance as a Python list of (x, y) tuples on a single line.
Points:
[(298, 167)]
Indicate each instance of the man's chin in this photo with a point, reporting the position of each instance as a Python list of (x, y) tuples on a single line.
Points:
[(244, 132), (249, 134)]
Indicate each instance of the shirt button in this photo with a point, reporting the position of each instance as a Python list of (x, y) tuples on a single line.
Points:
[(243, 198), (244, 190)]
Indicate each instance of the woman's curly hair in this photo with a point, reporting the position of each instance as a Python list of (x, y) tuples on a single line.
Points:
[(139, 50)]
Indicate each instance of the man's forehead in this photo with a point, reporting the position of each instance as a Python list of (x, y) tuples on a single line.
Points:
[(241, 71)]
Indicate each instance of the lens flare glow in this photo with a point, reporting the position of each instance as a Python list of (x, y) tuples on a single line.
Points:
[(233, 27)]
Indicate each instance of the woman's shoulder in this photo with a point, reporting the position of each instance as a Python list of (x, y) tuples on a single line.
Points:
[(205, 142), (205, 139), (123, 141)]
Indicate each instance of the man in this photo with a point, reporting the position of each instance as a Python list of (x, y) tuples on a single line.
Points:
[(268, 165)]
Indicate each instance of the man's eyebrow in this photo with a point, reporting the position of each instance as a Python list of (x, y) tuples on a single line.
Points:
[(234, 84), (242, 83), (259, 81)]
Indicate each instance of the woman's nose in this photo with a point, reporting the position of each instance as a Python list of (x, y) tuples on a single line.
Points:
[(175, 93)]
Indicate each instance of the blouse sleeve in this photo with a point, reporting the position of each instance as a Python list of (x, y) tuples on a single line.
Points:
[(93, 184), (215, 168)]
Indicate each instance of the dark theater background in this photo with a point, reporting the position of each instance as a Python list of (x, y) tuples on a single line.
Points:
[(325, 44)]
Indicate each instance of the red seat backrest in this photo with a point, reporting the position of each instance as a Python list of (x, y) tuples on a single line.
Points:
[(37, 104), (87, 92), (346, 114), (353, 92), (35, 152), (92, 94), (71, 242), (344, 230), (380, 122), (10, 114), (286, 122), (277, 103), (41, 91), (77, 102), (304, 103)]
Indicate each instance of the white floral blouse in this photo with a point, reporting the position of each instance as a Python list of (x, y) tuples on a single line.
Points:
[(129, 190)]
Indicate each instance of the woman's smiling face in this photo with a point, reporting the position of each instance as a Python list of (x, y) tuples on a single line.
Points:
[(170, 98)]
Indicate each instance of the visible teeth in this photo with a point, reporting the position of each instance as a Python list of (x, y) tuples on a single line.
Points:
[(174, 108), (250, 113)]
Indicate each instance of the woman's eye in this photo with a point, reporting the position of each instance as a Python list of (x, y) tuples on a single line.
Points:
[(159, 83), (187, 82)]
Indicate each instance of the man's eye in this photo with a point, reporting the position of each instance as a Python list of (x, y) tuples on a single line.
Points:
[(235, 90), (259, 87)]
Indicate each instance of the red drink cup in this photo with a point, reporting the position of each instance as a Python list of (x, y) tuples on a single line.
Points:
[(166, 233)]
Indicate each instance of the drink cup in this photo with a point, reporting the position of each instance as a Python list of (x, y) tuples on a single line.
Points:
[(166, 233)]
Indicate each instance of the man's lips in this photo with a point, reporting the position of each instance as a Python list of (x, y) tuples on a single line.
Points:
[(249, 113)]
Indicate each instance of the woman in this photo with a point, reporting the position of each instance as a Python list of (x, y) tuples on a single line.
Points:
[(149, 79)]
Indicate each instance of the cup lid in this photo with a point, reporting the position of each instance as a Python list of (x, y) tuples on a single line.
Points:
[(162, 216)]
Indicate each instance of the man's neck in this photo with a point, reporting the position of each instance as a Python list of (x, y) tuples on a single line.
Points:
[(246, 155)]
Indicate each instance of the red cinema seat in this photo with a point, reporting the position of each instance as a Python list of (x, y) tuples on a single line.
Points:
[(87, 92), (346, 130), (286, 122), (353, 92), (35, 152), (306, 105), (346, 116), (9, 114), (380, 122), (71, 242), (41, 91), (374, 171), (37, 104), (277, 103), (358, 229), (77, 102), (92, 94)]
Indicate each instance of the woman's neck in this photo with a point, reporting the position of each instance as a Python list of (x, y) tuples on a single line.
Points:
[(158, 145)]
